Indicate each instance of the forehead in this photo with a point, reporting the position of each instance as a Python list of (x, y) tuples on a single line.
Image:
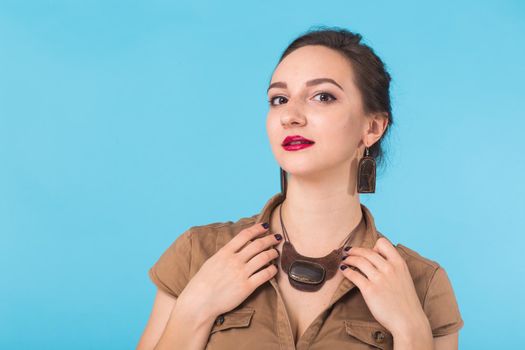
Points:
[(314, 61)]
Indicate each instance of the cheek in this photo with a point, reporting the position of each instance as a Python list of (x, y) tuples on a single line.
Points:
[(273, 129), (339, 139)]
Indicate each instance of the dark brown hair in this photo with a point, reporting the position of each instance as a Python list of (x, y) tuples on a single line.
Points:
[(372, 78)]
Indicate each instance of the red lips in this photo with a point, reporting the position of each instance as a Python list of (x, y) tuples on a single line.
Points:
[(295, 138), (296, 143)]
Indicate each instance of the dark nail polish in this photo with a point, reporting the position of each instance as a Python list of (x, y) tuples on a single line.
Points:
[(343, 267), (344, 257), (265, 225), (347, 248), (278, 236)]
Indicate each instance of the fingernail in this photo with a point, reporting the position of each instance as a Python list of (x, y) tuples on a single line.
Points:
[(265, 225), (342, 267), (347, 248), (278, 236), (344, 257)]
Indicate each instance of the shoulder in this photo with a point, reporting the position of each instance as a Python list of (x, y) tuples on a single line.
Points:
[(422, 268), (434, 290), (219, 232), (413, 258), (207, 239)]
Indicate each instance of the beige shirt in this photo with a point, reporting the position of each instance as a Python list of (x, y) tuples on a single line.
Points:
[(261, 322)]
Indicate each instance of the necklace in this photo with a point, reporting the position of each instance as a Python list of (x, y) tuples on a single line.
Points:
[(306, 273)]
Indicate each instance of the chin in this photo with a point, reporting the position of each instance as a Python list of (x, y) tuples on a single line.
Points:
[(302, 170)]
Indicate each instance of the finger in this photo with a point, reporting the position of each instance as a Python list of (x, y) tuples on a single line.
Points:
[(356, 277), (384, 247), (255, 247), (373, 256), (362, 264), (244, 236), (262, 276), (260, 260)]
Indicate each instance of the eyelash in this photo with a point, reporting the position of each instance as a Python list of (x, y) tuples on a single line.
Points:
[(321, 93)]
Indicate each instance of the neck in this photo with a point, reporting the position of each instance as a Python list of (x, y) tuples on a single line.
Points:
[(318, 218)]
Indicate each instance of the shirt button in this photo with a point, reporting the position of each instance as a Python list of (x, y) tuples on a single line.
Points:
[(219, 320), (379, 336)]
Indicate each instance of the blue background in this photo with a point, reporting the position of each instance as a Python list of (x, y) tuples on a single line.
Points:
[(123, 123)]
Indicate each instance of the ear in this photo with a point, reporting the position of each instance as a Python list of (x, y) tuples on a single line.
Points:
[(376, 124)]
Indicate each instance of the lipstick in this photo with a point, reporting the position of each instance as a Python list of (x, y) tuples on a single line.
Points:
[(296, 142)]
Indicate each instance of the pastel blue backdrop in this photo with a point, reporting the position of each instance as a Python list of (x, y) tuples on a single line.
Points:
[(123, 123)]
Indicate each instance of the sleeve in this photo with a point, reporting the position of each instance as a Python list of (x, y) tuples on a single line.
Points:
[(440, 305), (171, 272)]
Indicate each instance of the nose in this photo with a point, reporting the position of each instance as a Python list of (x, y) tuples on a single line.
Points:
[(292, 116)]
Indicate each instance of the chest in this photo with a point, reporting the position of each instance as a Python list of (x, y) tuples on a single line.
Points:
[(304, 307)]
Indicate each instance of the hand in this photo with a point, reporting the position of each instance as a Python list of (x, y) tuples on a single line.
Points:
[(230, 275), (386, 286)]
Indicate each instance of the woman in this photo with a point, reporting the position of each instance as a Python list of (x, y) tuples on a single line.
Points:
[(280, 279)]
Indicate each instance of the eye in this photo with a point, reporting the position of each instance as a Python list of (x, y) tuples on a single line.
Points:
[(273, 98), (326, 94)]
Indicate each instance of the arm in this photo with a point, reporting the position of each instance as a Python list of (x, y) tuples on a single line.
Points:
[(174, 325), (417, 341), (188, 327), (446, 342), (158, 319), (416, 336), (420, 337)]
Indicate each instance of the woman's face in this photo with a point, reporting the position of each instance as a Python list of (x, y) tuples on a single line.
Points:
[(330, 115)]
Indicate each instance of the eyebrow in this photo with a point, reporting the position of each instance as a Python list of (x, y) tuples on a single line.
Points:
[(280, 84)]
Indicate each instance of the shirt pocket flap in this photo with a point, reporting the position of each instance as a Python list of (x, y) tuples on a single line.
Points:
[(370, 332), (233, 319)]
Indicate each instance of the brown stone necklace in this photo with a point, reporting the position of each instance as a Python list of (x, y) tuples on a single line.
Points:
[(306, 273)]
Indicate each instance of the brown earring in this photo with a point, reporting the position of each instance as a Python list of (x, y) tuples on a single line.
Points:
[(284, 182), (366, 174)]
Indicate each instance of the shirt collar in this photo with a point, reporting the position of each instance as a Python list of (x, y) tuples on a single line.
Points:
[(371, 235)]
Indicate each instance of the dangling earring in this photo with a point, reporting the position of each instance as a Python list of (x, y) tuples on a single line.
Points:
[(366, 174), (284, 182)]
